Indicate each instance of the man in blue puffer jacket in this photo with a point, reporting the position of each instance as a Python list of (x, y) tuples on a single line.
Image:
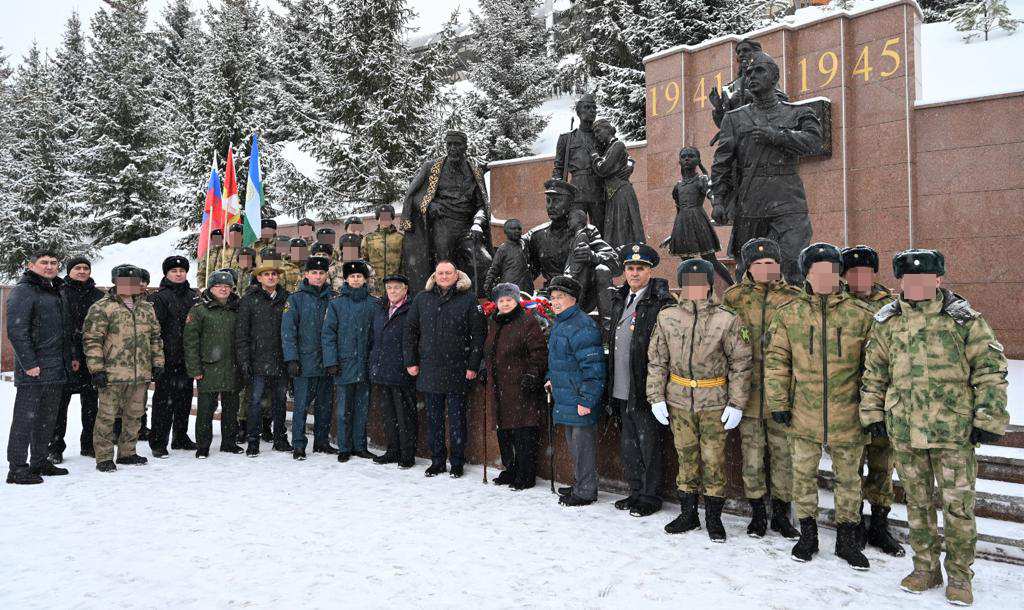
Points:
[(576, 374)]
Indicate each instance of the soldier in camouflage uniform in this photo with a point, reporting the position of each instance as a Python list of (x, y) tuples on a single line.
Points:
[(860, 265), (812, 371), (698, 376), (244, 263), (935, 382), (382, 249), (211, 261), (755, 299), (268, 234), (307, 231), (124, 351), (291, 274)]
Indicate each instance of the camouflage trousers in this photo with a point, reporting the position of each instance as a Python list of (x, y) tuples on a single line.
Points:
[(846, 459), (881, 460), (755, 435), (699, 437), (124, 400), (955, 470)]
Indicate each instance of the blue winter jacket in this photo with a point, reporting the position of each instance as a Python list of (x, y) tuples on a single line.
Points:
[(301, 326), (576, 368), (346, 334)]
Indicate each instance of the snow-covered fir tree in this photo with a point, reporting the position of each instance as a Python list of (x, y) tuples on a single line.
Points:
[(512, 75), (121, 160), (937, 10), (980, 17), (35, 215)]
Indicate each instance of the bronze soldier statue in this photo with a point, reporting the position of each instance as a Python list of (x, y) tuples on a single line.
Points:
[(572, 162), (737, 93), (755, 175), (446, 216)]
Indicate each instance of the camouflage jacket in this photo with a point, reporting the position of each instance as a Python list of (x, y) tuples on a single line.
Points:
[(382, 250), (932, 372), (813, 362), (123, 343), (756, 303), (289, 274), (880, 297), (698, 340), (220, 258)]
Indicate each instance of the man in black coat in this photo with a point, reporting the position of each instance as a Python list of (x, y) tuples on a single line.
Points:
[(634, 310), (260, 357), (393, 385), (39, 328), (442, 346), (79, 292), (172, 400)]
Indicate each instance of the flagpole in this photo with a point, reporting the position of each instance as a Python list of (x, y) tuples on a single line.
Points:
[(224, 211), (209, 230)]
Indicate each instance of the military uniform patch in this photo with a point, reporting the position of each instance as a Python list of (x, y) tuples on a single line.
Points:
[(745, 334)]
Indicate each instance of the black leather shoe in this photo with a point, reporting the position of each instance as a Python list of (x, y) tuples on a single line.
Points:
[(26, 477), (456, 472), (343, 456), (49, 470), (386, 458), (571, 500), (328, 449), (202, 454), (626, 503), (644, 509), (565, 491), (160, 453), (364, 454), (132, 460), (299, 454), (434, 470), (104, 466), (232, 448), (406, 464)]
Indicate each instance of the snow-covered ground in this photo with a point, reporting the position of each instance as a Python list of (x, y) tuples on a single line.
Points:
[(270, 532)]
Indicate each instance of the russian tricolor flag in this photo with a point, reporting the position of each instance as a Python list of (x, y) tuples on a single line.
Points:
[(213, 211)]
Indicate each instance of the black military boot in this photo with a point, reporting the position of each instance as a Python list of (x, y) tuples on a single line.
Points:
[(878, 533), (565, 491), (49, 470), (780, 520), (807, 546), (253, 449), (713, 518), (281, 444), (132, 460), (758, 519), (627, 503), (299, 454), (268, 434), (846, 547), (24, 476), (329, 449), (106, 466), (687, 519)]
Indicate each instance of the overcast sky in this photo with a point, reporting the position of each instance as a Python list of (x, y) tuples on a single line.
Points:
[(22, 21)]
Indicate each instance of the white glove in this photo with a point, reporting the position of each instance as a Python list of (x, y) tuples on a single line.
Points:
[(660, 412), (731, 417)]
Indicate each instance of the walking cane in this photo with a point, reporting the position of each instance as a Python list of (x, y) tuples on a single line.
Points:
[(551, 442)]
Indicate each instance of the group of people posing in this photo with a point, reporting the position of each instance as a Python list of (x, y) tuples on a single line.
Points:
[(912, 380)]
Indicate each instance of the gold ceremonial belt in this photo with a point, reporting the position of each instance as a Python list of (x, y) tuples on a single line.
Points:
[(714, 382)]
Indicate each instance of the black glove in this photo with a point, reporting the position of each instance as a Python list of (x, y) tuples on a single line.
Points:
[(332, 370), (294, 370), (158, 372), (984, 437), (782, 417), (877, 429), (99, 380)]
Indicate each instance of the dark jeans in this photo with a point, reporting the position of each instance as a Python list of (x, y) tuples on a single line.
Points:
[(172, 406), (518, 448), (456, 404), (641, 452), (228, 418), (277, 386), (308, 389), (89, 400), (35, 413), (398, 406), (353, 407)]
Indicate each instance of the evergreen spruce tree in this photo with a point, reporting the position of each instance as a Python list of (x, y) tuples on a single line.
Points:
[(35, 215), (937, 10), (512, 75), (979, 17), (121, 158)]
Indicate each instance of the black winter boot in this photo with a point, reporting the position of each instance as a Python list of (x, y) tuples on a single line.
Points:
[(253, 449), (846, 547), (878, 533), (780, 520), (268, 434), (758, 519), (687, 519), (807, 546), (106, 466), (507, 477), (24, 476), (281, 444), (49, 470), (713, 518)]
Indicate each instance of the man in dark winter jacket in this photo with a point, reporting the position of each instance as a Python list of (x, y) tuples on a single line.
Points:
[(396, 389), (259, 355), (443, 346), (172, 400), (575, 379), (79, 292), (301, 329), (634, 310), (39, 329), (346, 346)]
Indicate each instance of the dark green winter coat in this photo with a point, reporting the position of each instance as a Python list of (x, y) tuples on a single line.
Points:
[(210, 343)]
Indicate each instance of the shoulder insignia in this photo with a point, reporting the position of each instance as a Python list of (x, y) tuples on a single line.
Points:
[(960, 310), (888, 311), (997, 346), (745, 334), (727, 309)]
